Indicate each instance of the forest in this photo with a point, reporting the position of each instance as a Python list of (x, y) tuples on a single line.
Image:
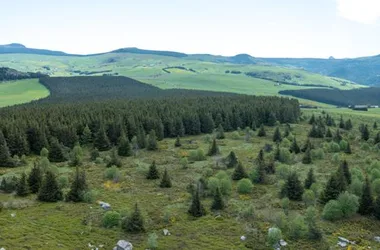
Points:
[(8, 74)]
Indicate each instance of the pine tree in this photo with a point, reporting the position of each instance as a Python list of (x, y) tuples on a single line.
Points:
[(76, 156), (377, 138), (177, 143), (341, 123), (22, 186), (342, 179), (134, 223), (218, 203), (277, 135), (328, 133), (141, 138), (376, 209), (94, 154), (346, 172), (365, 133), (153, 173), (232, 160), (348, 149), (312, 120), (220, 132), (337, 136), (261, 168), (78, 187), (239, 172), (310, 179), (35, 179), (165, 181), (86, 137), (294, 148), (307, 145), (277, 153), (307, 157), (375, 125), (5, 157), (196, 208), (152, 141), (213, 150), (348, 124), (366, 206), (56, 153), (314, 133), (124, 148), (115, 159), (261, 132), (331, 191), (101, 142), (50, 191), (293, 189)]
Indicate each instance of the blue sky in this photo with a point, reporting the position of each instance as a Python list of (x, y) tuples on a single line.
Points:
[(262, 28)]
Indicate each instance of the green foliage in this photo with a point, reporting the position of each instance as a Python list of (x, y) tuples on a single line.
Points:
[(152, 141), (56, 153), (197, 155), (244, 186), (113, 174), (297, 228), (134, 223), (356, 187), (293, 189), (309, 198), (101, 141), (124, 148), (213, 150), (76, 156), (274, 236), (196, 208), (314, 232), (165, 181), (94, 154), (152, 241), (317, 154), (231, 160), (261, 132), (44, 152), (220, 132), (153, 173), (184, 163), (114, 159), (277, 137), (285, 203), (376, 187), (50, 191), (366, 201), (307, 157), (35, 179), (78, 187), (177, 143), (218, 203), (239, 172), (111, 219), (63, 181), (294, 148), (349, 204), (22, 186), (376, 211), (90, 196)]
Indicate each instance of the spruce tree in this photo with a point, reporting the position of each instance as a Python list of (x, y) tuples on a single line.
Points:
[(232, 160), (342, 179), (375, 125), (328, 133), (310, 179), (341, 123), (152, 141), (220, 132), (348, 149), (377, 138), (196, 208), (307, 157), (294, 148), (277, 153), (293, 188), (50, 191), (376, 210), (218, 203), (86, 137), (346, 172), (365, 133), (5, 156), (261, 132), (165, 181), (115, 160), (134, 223), (313, 133), (331, 191), (213, 150), (239, 172), (94, 154), (101, 142), (277, 135), (56, 153), (35, 179), (22, 186), (124, 148), (141, 138), (177, 143), (337, 136), (76, 156), (366, 206), (307, 145), (312, 120), (287, 131), (348, 124), (261, 171), (78, 187), (153, 173)]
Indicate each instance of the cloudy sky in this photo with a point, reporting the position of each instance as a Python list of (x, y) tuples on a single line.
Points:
[(262, 28)]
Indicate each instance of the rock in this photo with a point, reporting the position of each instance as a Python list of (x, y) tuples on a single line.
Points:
[(12, 215), (166, 232), (283, 243), (2, 248), (342, 244), (377, 239), (243, 238), (218, 217), (123, 245), (343, 239), (104, 205)]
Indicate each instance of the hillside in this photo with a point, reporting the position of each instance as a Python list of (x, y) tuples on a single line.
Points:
[(7, 74), (363, 96)]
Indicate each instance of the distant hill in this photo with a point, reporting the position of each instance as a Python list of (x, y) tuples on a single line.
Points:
[(363, 96), (8, 74), (16, 48)]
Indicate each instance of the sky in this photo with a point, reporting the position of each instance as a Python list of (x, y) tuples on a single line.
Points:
[(261, 28)]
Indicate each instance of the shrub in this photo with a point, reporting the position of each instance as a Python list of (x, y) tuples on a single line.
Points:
[(225, 186), (282, 171), (247, 212), (336, 158), (90, 196), (212, 185), (332, 211), (285, 143), (285, 202), (281, 220), (63, 181), (235, 135), (297, 228), (317, 154), (285, 155), (343, 145), (99, 160), (308, 197), (274, 235), (111, 219), (152, 241), (375, 174), (334, 147), (112, 174), (365, 146), (356, 187), (244, 186), (184, 163), (349, 204), (197, 155), (357, 173), (376, 187), (222, 175)]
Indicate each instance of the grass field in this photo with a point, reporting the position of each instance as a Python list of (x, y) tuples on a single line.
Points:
[(22, 91)]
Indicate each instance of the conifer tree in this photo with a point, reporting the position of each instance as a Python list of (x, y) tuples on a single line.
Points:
[(218, 203), (346, 172), (328, 133), (94, 154), (141, 138), (365, 133), (376, 210), (366, 206), (377, 138), (213, 150), (177, 143), (232, 160), (270, 169), (261, 132), (56, 153), (337, 136), (5, 156), (342, 179), (86, 137), (307, 157), (375, 125), (314, 133), (331, 191), (78, 187), (153, 173), (277, 135), (348, 124), (307, 145), (165, 181), (348, 149), (310, 179), (101, 142), (115, 159), (134, 223), (293, 189), (294, 148), (312, 120), (76, 156), (261, 172), (341, 123), (124, 148), (50, 191), (239, 172), (22, 186), (277, 153), (220, 132), (152, 141), (287, 131), (35, 179), (196, 208)]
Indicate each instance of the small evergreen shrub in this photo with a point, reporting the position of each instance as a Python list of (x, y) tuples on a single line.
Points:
[(244, 186), (111, 219)]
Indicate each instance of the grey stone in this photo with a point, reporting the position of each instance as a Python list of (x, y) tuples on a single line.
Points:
[(377, 239), (123, 245)]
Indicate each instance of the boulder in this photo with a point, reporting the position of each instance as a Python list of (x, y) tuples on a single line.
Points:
[(377, 239), (166, 232), (243, 238), (123, 245), (283, 243)]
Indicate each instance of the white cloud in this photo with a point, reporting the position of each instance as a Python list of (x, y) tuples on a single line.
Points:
[(363, 11)]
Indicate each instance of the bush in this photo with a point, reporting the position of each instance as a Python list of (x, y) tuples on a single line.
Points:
[(282, 171), (334, 147), (274, 236), (332, 211), (309, 198), (112, 174), (285, 143), (376, 187), (356, 187), (336, 158), (225, 186), (235, 135), (111, 219), (63, 181), (343, 145), (222, 175), (244, 186), (285, 155), (297, 228), (375, 174), (197, 155), (349, 204), (247, 212), (281, 220), (90, 196), (99, 160), (365, 146), (357, 173), (184, 163), (212, 185), (152, 241), (317, 154)]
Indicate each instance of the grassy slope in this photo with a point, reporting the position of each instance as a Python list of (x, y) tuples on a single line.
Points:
[(22, 91), (60, 225), (148, 68)]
